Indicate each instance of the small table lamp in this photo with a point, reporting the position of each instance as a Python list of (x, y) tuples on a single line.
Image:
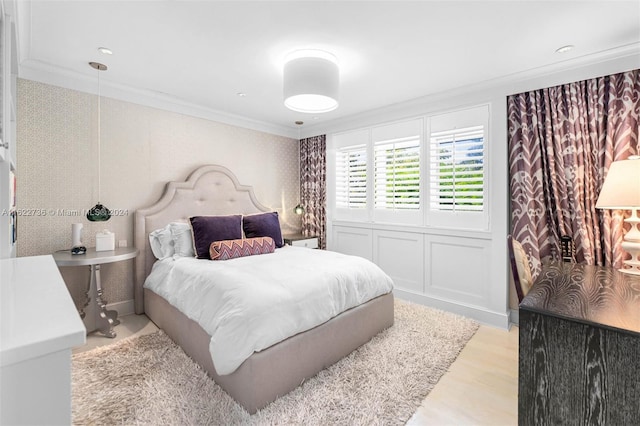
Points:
[(621, 190)]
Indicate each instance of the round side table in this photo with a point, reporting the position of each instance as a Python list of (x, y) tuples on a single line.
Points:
[(94, 313)]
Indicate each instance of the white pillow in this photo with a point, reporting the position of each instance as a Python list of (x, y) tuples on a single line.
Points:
[(161, 242), (182, 239)]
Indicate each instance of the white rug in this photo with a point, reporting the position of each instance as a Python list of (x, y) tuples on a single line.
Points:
[(150, 380)]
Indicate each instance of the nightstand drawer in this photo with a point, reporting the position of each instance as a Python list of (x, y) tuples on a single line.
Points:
[(308, 243), (311, 242)]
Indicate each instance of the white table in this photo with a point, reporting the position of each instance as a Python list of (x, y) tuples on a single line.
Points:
[(39, 325), (94, 312)]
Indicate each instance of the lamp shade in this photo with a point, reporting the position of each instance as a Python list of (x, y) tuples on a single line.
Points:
[(621, 188), (311, 80)]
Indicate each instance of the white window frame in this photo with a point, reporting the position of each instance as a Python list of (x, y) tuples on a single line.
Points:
[(460, 119), (390, 132), (424, 216), (352, 197), (338, 142)]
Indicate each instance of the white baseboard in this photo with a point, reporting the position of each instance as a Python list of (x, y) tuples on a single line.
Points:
[(482, 315), (125, 307)]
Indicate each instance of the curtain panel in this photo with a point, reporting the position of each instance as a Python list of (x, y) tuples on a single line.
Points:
[(562, 141), (313, 187)]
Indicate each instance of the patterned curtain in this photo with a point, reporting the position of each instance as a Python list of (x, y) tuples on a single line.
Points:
[(313, 187), (562, 141)]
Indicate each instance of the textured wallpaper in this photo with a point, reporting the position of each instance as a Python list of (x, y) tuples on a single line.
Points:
[(142, 148)]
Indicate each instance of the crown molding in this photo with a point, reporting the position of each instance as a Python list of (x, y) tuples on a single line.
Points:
[(621, 59), (43, 72), (56, 76), (606, 62)]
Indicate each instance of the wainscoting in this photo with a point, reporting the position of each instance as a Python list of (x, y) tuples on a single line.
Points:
[(449, 270)]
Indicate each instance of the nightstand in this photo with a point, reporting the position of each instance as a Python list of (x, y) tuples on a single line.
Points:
[(299, 240), (96, 316)]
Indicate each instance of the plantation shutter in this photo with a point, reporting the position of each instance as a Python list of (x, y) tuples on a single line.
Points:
[(351, 177), (397, 174), (457, 170)]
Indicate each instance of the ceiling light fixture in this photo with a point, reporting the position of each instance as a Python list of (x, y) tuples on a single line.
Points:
[(241, 94), (565, 49), (105, 50), (311, 79)]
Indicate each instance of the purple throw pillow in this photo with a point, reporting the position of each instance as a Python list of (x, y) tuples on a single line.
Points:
[(263, 225), (207, 229)]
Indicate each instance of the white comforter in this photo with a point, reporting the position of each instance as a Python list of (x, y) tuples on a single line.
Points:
[(250, 303)]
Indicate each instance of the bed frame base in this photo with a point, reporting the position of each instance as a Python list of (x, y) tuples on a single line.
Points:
[(279, 369)]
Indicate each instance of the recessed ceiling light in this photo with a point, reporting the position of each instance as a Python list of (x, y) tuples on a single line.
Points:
[(105, 50), (241, 94), (564, 49), (299, 123)]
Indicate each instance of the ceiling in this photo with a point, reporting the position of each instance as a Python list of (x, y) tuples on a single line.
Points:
[(201, 54)]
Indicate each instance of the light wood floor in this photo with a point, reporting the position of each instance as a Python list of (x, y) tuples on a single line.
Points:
[(130, 325), (480, 388)]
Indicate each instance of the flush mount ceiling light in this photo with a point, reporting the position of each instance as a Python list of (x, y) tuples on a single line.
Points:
[(311, 80), (105, 50)]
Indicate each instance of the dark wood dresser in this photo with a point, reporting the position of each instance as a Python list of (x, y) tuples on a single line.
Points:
[(579, 359)]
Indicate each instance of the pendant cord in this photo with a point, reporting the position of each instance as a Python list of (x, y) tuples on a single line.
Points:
[(99, 145)]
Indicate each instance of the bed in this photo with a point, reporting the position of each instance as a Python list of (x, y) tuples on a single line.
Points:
[(278, 369)]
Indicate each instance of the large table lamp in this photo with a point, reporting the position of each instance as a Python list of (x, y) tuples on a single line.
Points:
[(621, 191)]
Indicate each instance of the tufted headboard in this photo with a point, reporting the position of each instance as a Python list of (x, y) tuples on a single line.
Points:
[(208, 191)]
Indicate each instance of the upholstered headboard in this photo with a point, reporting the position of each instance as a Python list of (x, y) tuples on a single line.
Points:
[(208, 191)]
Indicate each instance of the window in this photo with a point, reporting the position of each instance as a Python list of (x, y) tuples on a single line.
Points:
[(397, 174), (457, 164), (394, 174), (377, 173), (351, 177), (457, 169), (348, 175)]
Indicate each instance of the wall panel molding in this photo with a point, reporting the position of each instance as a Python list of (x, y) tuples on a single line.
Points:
[(400, 255)]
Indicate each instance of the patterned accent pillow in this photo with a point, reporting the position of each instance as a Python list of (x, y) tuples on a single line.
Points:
[(230, 249)]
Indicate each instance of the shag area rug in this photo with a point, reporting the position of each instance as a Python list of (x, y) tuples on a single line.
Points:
[(150, 380)]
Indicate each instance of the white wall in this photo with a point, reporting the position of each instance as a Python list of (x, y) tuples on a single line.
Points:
[(461, 271)]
